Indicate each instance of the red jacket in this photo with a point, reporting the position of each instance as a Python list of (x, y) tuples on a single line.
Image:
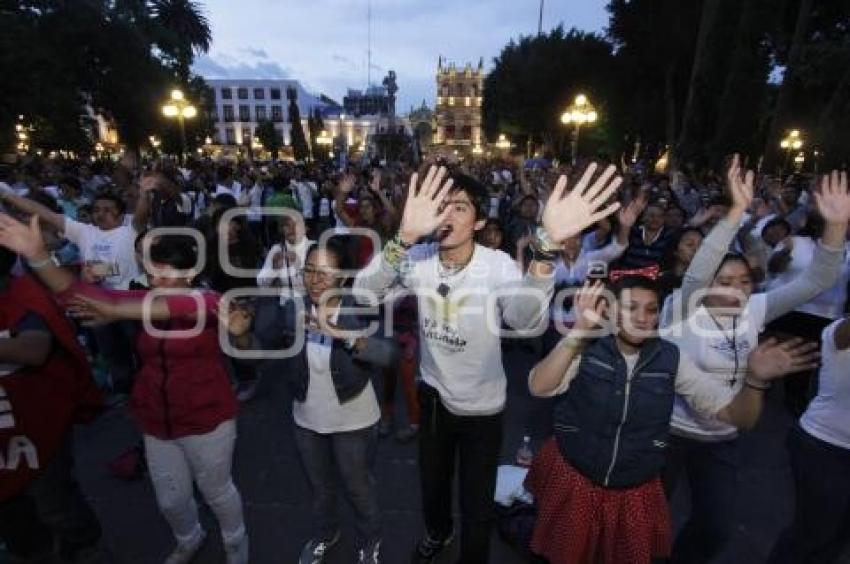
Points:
[(183, 387), (38, 404)]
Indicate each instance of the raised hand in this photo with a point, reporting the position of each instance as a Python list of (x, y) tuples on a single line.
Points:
[(832, 200), (628, 215), (25, 240), (424, 211), (567, 214), (588, 306), (740, 185), (771, 359)]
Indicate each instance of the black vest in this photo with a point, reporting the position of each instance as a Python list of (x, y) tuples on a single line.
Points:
[(611, 426)]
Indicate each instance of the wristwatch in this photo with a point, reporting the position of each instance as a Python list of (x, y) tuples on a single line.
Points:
[(545, 243), (51, 259), (543, 248)]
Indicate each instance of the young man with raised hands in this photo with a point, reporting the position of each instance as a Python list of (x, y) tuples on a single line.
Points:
[(465, 293)]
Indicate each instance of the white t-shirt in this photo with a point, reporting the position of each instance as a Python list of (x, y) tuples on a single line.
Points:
[(235, 190), (268, 274), (114, 248), (828, 415), (830, 303), (712, 349), (321, 411), (461, 357), (304, 191)]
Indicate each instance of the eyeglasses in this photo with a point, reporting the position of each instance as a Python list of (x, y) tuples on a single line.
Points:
[(320, 275)]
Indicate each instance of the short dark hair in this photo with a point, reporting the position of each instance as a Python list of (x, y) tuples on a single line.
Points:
[(777, 221), (111, 197), (339, 247), (177, 251), (734, 257), (631, 282), (475, 190), (71, 181)]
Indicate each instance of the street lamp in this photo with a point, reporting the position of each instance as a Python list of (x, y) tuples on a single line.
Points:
[(180, 108), (580, 112), (793, 141), (503, 143)]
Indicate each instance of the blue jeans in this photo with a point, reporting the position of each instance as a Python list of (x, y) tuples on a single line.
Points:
[(711, 470), (821, 527), (351, 455)]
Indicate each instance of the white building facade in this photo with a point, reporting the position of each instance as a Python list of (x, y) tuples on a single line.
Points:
[(238, 105)]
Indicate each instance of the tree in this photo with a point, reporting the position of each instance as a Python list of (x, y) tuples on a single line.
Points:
[(118, 59), (296, 132), (269, 137), (182, 30), (315, 125), (536, 77), (654, 44)]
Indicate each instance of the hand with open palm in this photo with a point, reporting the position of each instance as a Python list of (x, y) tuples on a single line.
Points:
[(424, 211), (567, 213), (833, 199), (740, 184), (25, 240)]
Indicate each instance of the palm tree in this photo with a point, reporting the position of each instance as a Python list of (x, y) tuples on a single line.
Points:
[(185, 28)]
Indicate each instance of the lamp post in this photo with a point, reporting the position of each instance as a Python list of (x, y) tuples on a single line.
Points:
[(502, 143), (793, 141), (579, 113), (180, 108)]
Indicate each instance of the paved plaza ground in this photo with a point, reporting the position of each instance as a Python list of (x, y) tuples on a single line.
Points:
[(277, 496)]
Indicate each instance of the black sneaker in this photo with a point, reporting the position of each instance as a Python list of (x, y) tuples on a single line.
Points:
[(315, 551), (429, 548)]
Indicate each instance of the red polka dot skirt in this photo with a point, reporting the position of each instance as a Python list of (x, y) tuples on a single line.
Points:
[(579, 522)]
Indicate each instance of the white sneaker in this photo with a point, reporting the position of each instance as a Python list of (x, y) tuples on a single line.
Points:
[(237, 553), (184, 552)]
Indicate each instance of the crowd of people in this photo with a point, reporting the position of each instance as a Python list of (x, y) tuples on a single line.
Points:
[(662, 308)]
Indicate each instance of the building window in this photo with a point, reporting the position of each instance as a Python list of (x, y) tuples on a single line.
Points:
[(244, 113), (246, 135), (459, 90), (226, 94), (242, 93), (259, 93), (277, 113), (228, 113), (275, 93), (450, 132), (466, 132), (213, 114), (445, 90), (209, 94), (230, 136), (261, 113)]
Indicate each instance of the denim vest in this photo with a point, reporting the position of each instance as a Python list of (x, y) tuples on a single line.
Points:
[(611, 426)]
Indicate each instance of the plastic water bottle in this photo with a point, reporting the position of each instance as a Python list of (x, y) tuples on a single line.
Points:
[(524, 454)]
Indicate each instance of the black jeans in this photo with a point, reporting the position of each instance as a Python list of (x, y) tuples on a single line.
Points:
[(476, 441), (52, 506), (349, 458), (712, 473), (821, 527)]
